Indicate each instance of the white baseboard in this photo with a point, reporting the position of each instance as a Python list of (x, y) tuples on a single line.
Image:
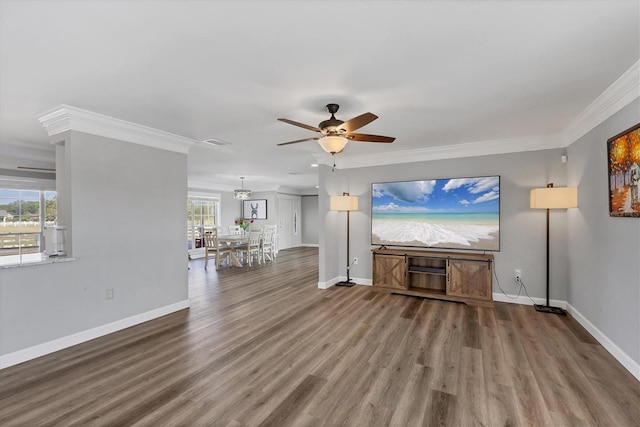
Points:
[(26, 354), (310, 245), (196, 253), (327, 284), (525, 300), (622, 357), (331, 282)]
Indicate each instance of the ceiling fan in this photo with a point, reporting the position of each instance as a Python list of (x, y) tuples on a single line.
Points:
[(36, 169), (336, 133)]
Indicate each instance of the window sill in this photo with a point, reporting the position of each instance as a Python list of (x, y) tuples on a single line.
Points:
[(28, 260)]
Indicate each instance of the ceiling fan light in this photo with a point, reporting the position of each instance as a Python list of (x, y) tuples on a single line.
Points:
[(333, 144)]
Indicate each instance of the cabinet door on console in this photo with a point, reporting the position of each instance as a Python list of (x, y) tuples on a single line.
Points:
[(389, 271), (471, 279)]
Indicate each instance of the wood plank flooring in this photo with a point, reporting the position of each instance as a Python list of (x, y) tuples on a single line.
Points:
[(262, 346)]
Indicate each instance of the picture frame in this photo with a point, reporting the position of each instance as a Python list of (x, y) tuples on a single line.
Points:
[(254, 209), (623, 158)]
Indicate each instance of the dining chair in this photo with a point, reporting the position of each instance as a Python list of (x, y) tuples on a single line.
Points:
[(235, 229), (274, 236), (213, 246), (267, 245), (252, 247)]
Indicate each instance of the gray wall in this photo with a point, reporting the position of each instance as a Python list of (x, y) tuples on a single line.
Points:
[(129, 231), (230, 209), (595, 259), (604, 272), (272, 208), (310, 220), (522, 239)]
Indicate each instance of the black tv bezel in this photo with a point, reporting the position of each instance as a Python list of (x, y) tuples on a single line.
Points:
[(438, 247)]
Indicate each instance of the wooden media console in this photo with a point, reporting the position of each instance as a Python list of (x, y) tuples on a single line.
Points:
[(461, 277)]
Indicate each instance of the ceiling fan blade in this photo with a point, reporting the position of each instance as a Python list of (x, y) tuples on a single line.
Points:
[(36, 169), (298, 140), (358, 122), (302, 125), (363, 137)]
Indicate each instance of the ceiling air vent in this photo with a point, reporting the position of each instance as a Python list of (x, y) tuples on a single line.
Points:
[(216, 142)]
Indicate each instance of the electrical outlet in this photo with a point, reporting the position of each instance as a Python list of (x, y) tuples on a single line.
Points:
[(110, 293), (517, 274), (355, 260)]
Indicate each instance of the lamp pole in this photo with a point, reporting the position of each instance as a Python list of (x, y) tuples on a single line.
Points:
[(348, 256), (552, 198), (548, 210), (349, 206)]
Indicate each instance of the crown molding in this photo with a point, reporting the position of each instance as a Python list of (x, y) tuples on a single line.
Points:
[(210, 185), (617, 96), (470, 149), (65, 118)]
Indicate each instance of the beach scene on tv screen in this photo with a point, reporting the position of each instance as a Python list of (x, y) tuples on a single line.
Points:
[(457, 213)]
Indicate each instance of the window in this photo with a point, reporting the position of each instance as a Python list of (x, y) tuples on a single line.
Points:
[(22, 219), (50, 208), (202, 213)]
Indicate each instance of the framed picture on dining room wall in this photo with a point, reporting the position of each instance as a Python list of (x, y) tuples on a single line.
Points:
[(255, 209), (624, 173)]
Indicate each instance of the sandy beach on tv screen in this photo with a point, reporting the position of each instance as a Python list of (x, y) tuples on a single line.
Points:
[(470, 236)]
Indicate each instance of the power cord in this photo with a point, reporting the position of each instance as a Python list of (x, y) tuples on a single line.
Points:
[(522, 286), (525, 292)]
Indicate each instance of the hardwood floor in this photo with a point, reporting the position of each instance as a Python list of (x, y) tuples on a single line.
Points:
[(263, 346)]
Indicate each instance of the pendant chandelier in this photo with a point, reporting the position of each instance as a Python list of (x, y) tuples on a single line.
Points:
[(242, 193)]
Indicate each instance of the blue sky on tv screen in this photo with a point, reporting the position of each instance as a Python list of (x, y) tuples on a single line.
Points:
[(457, 195)]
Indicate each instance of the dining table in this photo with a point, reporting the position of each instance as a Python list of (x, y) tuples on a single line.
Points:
[(233, 240)]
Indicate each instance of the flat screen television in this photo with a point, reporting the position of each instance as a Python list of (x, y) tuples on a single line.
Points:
[(451, 213)]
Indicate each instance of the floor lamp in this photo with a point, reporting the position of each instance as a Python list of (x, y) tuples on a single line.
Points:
[(345, 203), (552, 198)]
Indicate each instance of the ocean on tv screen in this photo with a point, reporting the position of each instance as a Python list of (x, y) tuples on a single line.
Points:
[(457, 213)]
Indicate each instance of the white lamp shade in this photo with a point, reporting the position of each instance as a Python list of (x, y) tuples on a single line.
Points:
[(554, 198), (333, 144), (343, 203)]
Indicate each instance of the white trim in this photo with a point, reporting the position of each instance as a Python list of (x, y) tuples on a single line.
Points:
[(329, 283), (356, 280), (204, 195), (27, 354), (310, 245), (625, 360), (525, 300), (469, 149), (622, 357), (621, 93), (617, 96), (65, 118), (196, 253), (363, 282)]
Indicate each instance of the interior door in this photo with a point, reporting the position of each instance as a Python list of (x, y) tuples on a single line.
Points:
[(285, 223)]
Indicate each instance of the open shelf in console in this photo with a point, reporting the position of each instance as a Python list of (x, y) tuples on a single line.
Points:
[(427, 273), (427, 270)]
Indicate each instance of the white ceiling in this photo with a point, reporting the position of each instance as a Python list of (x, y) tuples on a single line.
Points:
[(436, 72)]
